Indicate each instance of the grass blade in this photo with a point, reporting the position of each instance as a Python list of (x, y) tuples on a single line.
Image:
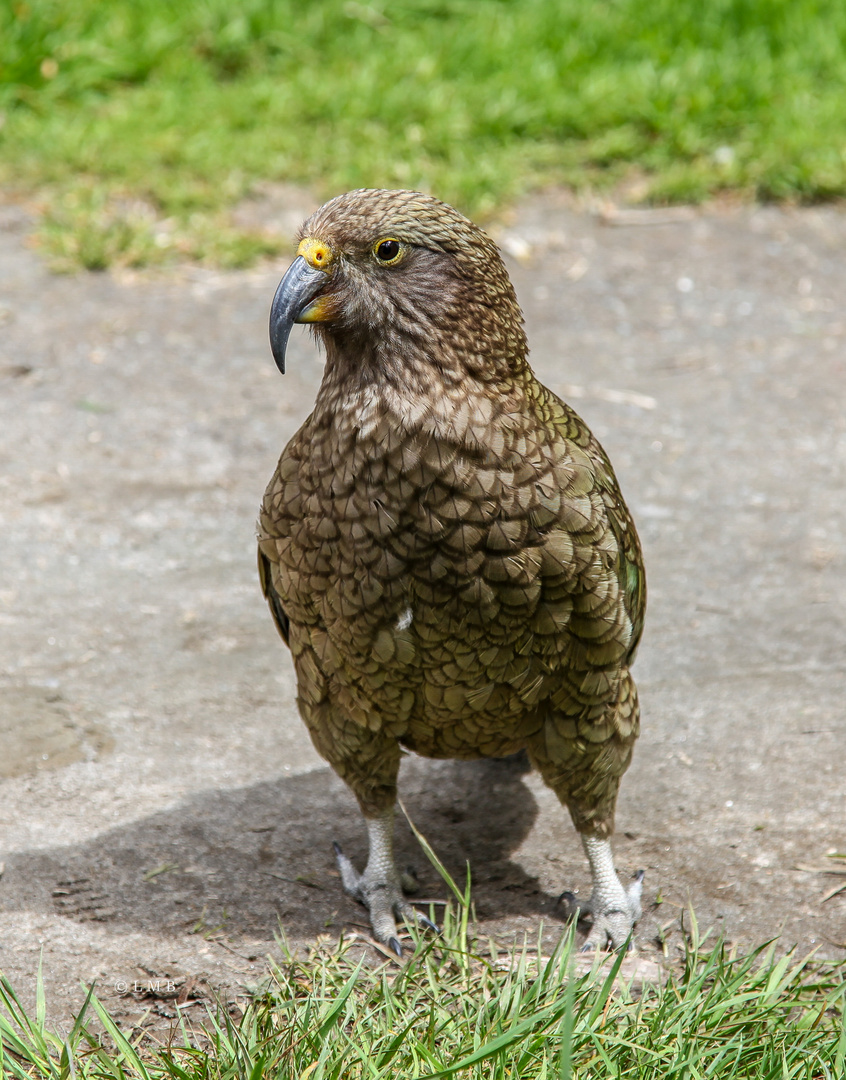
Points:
[(460, 896)]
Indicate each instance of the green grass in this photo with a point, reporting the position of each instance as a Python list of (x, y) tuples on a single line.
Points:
[(140, 122), (464, 1007), (470, 1012)]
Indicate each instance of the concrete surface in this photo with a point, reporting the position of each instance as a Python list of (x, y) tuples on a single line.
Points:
[(162, 807)]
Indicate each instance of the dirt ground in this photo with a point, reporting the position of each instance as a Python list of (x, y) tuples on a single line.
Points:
[(162, 808)]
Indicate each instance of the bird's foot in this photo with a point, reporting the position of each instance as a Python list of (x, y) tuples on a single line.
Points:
[(380, 889), (613, 911)]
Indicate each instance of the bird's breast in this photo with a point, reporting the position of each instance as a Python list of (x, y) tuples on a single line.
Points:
[(447, 591)]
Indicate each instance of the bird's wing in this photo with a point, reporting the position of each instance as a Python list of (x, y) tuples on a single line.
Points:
[(628, 565), (282, 621), (630, 571)]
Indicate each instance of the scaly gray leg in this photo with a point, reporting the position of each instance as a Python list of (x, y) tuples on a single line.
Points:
[(380, 887), (614, 909)]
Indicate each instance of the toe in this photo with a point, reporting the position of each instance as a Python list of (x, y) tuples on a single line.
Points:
[(350, 877), (408, 880), (633, 894), (382, 904), (611, 927), (617, 927), (574, 908), (404, 910)]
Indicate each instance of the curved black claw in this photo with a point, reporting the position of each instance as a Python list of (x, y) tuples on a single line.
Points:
[(423, 921), (394, 946)]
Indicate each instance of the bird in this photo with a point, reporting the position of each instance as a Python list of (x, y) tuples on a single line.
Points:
[(444, 545)]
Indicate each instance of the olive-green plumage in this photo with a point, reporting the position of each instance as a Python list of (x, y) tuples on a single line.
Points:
[(444, 545)]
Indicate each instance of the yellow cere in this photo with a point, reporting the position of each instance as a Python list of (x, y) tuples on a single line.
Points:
[(316, 253)]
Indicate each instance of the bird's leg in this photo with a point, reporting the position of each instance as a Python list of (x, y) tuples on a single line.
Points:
[(380, 887), (614, 908)]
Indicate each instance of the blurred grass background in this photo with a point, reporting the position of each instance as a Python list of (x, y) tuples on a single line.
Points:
[(138, 124)]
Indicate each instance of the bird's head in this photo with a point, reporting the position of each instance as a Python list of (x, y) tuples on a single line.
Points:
[(391, 280)]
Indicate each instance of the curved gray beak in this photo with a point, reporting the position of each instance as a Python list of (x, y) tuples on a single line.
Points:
[(296, 290)]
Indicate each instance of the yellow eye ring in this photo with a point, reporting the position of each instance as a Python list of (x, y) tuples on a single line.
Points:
[(388, 251)]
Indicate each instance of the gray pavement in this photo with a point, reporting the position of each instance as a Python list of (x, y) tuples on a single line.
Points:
[(163, 809)]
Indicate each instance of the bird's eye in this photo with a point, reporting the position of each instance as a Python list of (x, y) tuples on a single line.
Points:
[(388, 251)]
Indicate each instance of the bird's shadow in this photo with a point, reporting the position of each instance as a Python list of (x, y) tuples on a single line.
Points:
[(250, 859)]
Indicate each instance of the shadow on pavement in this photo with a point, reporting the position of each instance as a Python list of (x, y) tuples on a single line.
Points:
[(249, 859)]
